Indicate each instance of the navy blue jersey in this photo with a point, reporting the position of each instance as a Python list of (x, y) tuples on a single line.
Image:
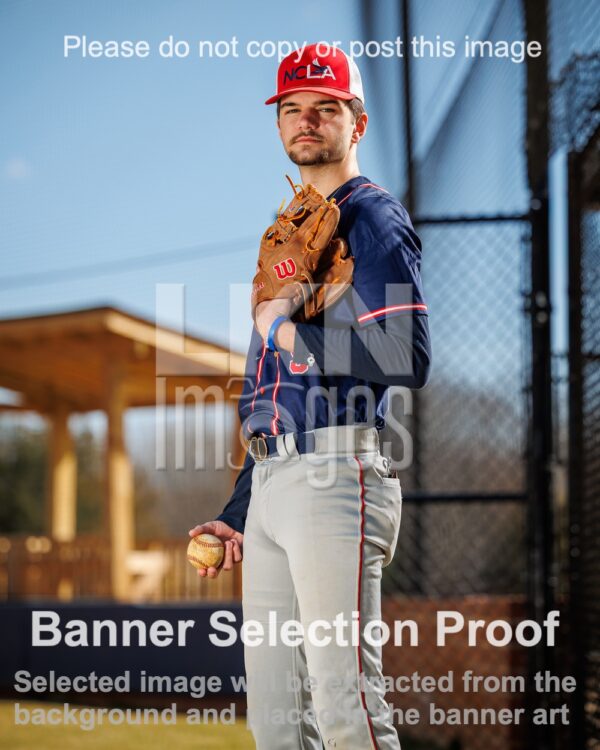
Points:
[(375, 336)]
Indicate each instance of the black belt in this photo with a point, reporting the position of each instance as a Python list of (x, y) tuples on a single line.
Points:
[(261, 448)]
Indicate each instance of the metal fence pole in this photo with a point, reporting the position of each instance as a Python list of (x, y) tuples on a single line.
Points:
[(540, 516), (576, 451), (410, 205)]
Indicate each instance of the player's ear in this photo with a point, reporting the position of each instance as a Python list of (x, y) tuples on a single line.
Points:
[(360, 127)]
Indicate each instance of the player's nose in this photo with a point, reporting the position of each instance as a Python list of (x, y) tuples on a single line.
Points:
[(308, 119)]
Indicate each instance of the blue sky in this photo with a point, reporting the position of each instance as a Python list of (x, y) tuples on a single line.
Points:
[(104, 160)]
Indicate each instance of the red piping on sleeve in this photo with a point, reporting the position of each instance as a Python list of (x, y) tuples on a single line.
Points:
[(391, 308), (259, 374), (274, 428)]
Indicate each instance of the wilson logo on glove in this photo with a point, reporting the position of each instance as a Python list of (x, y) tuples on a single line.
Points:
[(284, 269), (300, 258)]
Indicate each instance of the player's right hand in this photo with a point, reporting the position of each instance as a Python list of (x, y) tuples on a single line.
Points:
[(232, 539)]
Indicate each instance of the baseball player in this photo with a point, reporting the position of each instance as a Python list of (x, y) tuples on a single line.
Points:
[(315, 514)]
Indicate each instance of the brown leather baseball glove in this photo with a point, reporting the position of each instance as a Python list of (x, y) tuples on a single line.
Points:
[(301, 259)]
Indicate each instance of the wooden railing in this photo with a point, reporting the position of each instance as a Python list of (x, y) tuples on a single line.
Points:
[(39, 567), (180, 580)]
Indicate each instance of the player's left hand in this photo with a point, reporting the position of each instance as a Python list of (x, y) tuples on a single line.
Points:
[(266, 312)]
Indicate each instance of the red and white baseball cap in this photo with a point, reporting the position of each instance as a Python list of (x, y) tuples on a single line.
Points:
[(332, 73)]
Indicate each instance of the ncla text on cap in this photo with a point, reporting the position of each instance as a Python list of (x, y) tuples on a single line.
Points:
[(334, 74)]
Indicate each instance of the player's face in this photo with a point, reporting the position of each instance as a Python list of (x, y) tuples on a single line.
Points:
[(315, 128)]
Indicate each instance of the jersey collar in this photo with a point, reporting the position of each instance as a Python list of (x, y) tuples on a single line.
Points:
[(343, 191)]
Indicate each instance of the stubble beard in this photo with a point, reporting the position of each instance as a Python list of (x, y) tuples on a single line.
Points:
[(328, 155)]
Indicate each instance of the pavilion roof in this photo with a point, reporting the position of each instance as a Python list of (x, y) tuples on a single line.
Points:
[(72, 356)]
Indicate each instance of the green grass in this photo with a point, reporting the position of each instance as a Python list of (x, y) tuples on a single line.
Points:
[(128, 737)]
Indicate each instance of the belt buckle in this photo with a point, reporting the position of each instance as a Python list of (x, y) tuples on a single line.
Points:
[(258, 448)]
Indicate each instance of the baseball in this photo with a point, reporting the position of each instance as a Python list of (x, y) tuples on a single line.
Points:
[(205, 551)]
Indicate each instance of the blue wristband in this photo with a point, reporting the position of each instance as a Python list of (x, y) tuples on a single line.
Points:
[(273, 330)]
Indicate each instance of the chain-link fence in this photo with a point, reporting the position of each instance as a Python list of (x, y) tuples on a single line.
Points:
[(464, 522), (464, 537), (583, 564), (574, 68), (589, 512), (574, 62), (463, 527)]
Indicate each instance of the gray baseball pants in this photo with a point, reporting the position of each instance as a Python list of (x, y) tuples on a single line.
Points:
[(320, 527)]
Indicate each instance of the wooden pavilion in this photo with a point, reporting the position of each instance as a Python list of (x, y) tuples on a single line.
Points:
[(106, 359)]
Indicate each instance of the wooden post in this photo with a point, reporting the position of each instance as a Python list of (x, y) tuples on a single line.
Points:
[(119, 486), (62, 478)]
